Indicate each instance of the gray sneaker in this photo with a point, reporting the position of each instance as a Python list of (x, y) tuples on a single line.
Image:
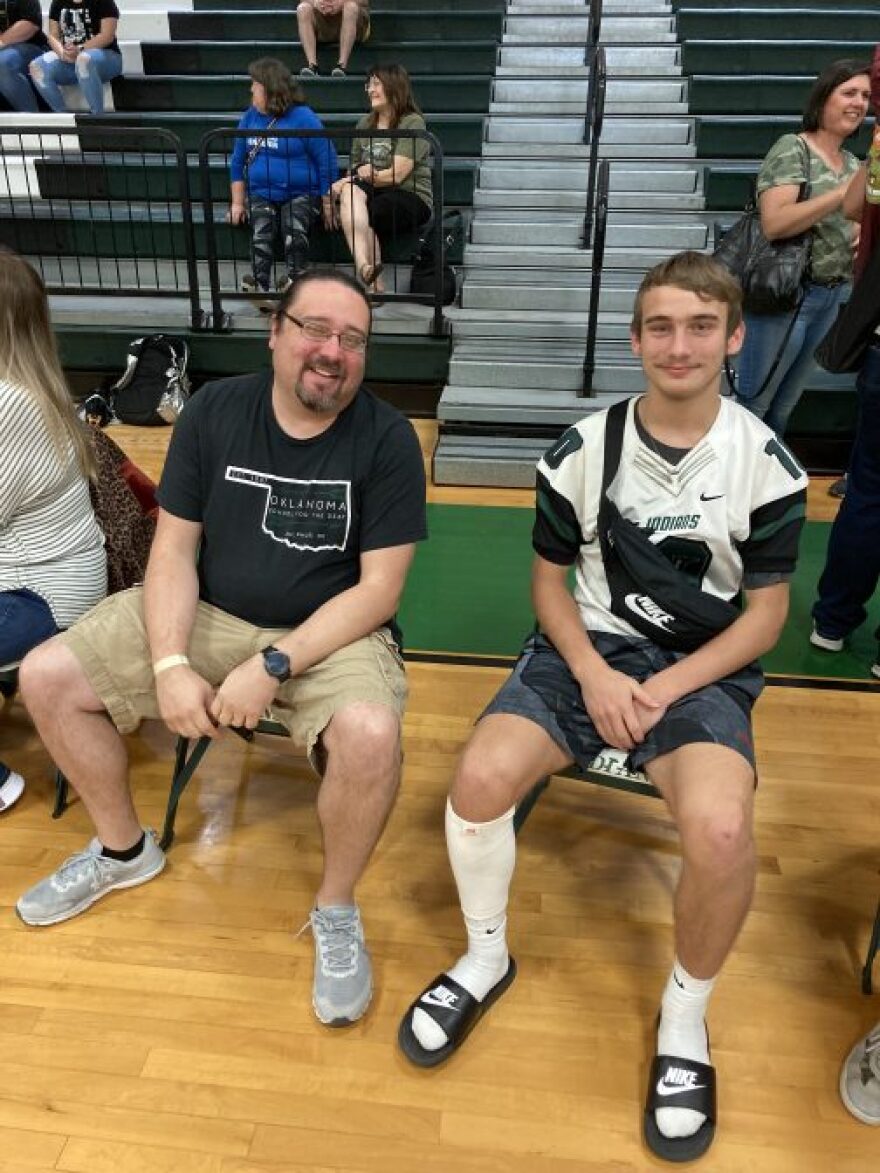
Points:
[(343, 976), (85, 878), (860, 1079)]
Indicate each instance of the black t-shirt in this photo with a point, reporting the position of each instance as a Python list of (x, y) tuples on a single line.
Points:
[(78, 23), (285, 521), (12, 11)]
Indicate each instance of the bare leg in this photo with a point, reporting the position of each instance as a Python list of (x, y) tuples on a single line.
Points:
[(710, 792), (81, 740), (305, 23), (361, 238), (348, 30), (362, 744)]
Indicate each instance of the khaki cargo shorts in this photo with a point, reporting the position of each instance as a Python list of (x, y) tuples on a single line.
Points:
[(110, 642), (327, 28)]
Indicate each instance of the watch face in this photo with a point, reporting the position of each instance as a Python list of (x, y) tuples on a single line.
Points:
[(277, 664)]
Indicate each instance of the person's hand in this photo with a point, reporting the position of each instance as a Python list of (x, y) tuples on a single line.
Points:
[(619, 707), (237, 214), (244, 695), (185, 699), (329, 213), (70, 52), (337, 189)]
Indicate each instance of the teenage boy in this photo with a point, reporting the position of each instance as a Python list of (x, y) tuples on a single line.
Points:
[(711, 488)]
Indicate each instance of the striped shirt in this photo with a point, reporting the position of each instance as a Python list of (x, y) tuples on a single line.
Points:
[(50, 542)]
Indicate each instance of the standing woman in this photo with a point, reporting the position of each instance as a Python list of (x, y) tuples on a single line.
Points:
[(52, 563), (83, 51), (388, 191), (835, 109), (282, 183)]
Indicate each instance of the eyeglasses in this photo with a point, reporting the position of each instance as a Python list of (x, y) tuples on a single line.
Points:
[(320, 332)]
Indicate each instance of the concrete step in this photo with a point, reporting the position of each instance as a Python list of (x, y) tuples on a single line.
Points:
[(574, 201), (485, 405), (644, 132), (561, 325), (517, 266), (486, 298), (572, 30), (566, 175), (499, 463), (607, 150), (574, 7), (574, 90), (566, 231), (620, 59)]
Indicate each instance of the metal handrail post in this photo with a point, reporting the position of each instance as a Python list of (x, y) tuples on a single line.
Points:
[(599, 73), (596, 278)]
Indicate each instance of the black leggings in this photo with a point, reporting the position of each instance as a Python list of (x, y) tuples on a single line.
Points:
[(295, 219)]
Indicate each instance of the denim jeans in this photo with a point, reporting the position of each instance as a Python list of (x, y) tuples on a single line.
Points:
[(15, 82), (93, 67), (25, 621), (852, 564), (764, 334), (294, 219)]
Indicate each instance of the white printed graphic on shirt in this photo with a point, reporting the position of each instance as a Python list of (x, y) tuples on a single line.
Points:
[(304, 515)]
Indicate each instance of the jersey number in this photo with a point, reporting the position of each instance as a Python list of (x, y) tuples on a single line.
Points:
[(689, 557)]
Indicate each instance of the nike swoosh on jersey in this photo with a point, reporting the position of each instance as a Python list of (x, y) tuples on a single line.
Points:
[(714, 497)]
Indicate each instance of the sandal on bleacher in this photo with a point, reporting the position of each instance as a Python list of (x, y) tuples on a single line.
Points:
[(680, 1083), (454, 1009)]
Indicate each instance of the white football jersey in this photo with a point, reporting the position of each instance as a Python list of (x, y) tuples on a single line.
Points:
[(733, 506)]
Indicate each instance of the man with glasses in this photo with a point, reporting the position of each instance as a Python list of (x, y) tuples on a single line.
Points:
[(291, 501)]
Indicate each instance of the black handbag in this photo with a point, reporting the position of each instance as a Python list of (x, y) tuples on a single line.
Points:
[(773, 273), (843, 347), (646, 589)]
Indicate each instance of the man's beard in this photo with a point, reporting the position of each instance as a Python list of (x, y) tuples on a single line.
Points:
[(321, 402)]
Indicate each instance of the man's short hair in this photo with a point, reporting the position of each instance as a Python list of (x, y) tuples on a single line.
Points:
[(698, 274), (309, 277)]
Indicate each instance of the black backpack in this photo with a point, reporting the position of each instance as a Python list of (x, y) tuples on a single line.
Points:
[(154, 386)]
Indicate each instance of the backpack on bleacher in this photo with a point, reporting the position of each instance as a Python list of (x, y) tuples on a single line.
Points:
[(154, 386)]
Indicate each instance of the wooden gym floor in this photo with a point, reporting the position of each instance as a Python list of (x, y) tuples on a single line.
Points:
[(170, 1028)]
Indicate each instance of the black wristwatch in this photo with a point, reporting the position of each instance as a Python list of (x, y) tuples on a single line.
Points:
[(276, 663)]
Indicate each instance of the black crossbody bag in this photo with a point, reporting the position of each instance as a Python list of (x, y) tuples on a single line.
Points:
[(647, 590)]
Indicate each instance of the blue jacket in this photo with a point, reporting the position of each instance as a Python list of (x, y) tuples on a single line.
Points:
[(283, 168)]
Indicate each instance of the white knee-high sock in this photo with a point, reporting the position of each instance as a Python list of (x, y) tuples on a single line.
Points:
[(682, 1032), (482, 856)]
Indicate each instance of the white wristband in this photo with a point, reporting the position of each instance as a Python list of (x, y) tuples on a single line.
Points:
[(167, 662)]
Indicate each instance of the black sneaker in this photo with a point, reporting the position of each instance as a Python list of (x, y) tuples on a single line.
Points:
[(338, 70), (838, 488), (310, 70)]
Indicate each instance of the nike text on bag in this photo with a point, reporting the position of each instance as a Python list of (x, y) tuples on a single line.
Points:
[(155, 386), (646, 589), (773, 273)]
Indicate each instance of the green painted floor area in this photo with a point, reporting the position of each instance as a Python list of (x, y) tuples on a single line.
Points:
[(468, 594)]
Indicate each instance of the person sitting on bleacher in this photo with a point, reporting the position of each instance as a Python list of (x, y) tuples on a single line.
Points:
[(280, 183), (21, 40), (650, 656), (345, 21), (83, 51), (52, 562), (388, 192)]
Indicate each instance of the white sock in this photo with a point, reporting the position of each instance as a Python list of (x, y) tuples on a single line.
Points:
[(482, 856), (682, 1032)]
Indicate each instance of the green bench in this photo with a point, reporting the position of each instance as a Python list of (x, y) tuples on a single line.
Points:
[(811, 23), (751, 138), (797, 57)]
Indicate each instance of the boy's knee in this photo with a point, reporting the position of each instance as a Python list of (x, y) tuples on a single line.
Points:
[(83, 65)]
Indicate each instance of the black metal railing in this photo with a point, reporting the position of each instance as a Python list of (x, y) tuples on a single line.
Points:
[(229, 249), (596, 276), (101, 209), (594, 118), (118, 209)]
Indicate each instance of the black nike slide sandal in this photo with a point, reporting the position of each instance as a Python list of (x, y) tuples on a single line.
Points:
[(456, 1012), (680, 1083)]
